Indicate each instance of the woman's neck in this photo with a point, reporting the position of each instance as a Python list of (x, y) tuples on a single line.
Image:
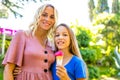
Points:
[(42, 37), (40, 32)]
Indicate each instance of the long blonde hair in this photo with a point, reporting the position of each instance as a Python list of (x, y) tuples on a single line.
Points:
[(73, 47), (33, 26)]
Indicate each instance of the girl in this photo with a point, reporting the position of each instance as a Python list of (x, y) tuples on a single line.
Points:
[(73, 67)]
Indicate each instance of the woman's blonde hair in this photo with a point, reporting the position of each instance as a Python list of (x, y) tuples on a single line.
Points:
[(33, 26)]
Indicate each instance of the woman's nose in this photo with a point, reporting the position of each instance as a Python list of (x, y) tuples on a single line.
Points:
[(47, 18)]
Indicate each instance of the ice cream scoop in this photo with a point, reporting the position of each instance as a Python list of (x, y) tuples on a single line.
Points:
[(59, 57)]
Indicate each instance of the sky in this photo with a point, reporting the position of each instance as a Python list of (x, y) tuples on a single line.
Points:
[(69, 11)]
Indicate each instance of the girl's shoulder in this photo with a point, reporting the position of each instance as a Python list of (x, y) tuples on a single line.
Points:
[(77, 59)]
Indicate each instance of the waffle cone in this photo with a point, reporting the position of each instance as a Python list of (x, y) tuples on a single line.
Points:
[(59, 60)]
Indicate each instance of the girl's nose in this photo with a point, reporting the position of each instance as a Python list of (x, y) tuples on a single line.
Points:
[(60, 37)]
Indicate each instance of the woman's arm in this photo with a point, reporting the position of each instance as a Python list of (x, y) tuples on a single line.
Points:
[(8, 71)]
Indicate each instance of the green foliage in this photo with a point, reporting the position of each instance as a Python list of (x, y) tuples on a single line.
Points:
[(91, 9), (109, 35), (94, 72), (115, 6), (98, 51), (107, 19), (83, 38), (83, 34), (107, 61), (112, 71), (112, 28), (13, 6), (102, 6), (7, 41), (1, 67), (0, 43), (1, 59), (3, 13), (103, 18), (117, 60), (108, 71), (89, 55)]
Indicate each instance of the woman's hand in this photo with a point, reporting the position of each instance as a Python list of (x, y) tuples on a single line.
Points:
[(16, 71), (8, 71), (62, 73)]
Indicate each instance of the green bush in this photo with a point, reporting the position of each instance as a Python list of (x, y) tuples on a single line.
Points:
[(83, 38), (94, 73), (108, 71), (89, 55)]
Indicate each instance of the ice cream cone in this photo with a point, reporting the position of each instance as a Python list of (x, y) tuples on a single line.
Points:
[(59, 57)]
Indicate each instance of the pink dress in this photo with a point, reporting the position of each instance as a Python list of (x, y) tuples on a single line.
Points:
[(26, 51)]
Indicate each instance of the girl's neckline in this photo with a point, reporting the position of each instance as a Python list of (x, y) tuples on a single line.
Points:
[(68, 61)]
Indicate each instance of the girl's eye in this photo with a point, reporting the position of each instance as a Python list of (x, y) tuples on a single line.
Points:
[(56, 35), (65, 34)]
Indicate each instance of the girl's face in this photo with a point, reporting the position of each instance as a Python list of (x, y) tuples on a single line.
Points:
[(47, 18), (62, 38)]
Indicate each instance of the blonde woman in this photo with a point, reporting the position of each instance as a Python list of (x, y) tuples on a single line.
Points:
[(30, 50), (73, 66)]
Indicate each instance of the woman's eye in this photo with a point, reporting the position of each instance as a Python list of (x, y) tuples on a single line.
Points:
[(44, 15), (52, 17)]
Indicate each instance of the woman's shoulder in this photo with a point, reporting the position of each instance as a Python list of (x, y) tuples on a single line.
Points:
[(21, 33)]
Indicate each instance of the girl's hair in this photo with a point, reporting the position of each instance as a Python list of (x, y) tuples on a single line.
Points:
[(33, 26), (73, 47)]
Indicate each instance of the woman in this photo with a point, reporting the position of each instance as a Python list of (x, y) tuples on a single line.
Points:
[(73, 67), (31, 50)]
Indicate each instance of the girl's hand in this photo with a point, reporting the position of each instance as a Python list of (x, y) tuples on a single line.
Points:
[(62, 73), (16, 71)]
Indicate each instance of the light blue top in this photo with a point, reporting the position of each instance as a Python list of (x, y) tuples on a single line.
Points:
[(75, 68)]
